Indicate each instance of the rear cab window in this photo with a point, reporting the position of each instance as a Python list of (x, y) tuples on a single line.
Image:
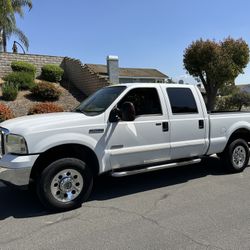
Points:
[(182, 101)]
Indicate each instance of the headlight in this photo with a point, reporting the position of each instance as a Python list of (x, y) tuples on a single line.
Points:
[(16, 144)]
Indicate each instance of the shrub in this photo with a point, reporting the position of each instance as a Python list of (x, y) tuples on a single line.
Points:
[(240, 99), (23, 80), (24, 67), (9, 91), (46, 91), (52, 73), (233, 102), (46, 107), (5, 112)]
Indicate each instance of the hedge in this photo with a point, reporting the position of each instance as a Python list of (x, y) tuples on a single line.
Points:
[(52, 73), (20, 66)]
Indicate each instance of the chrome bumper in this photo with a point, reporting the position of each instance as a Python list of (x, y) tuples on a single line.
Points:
[(16, 170), (17, 177)]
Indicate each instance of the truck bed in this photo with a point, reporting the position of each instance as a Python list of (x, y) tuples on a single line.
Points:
[(222, 125)]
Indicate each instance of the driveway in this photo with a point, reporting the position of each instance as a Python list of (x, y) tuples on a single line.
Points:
[(192, 207)]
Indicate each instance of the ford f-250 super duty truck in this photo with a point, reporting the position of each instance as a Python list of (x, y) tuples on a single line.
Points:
[(123, 129)]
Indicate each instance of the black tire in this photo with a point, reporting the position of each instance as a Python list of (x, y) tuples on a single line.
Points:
[(236, 156), (53, 181)]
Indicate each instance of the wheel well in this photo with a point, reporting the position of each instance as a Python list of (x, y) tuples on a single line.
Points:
[(68, 150), (240, 134)]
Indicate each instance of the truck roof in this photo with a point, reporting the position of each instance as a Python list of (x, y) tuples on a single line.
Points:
[(176, 85)]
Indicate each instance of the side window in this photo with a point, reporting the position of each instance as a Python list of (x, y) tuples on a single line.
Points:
[(145, 100), (182, 101)]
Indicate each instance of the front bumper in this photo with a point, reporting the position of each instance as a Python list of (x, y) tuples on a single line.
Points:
[(16, 170)]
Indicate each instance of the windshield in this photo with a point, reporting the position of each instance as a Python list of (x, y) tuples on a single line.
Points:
[(99, 101)]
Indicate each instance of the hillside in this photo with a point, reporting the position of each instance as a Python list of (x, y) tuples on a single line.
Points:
[(70, 98)]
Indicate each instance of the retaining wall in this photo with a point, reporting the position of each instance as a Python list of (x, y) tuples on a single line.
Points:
[(82, 76), (37, 60), (74, 71)]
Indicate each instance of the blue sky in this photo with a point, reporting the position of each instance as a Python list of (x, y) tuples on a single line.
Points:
[(143, 33)]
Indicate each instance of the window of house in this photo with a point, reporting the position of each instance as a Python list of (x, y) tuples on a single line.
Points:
[(146, 101), (182, 101)]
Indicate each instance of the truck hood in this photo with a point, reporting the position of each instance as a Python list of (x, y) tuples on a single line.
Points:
[(36, 123)]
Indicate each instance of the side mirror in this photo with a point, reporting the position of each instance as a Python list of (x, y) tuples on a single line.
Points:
[(115, 115), (128, 111)]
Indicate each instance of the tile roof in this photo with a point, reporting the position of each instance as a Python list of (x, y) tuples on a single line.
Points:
[(101, 69)]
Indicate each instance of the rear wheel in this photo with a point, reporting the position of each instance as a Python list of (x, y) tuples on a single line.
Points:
[(236, 155), (65, 184)]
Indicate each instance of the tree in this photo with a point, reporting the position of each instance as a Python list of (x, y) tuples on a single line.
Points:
[(7, 18), (228, 89), (8, 27), (216, 63)]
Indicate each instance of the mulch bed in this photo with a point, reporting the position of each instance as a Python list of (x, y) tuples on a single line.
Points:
[(20, 107)]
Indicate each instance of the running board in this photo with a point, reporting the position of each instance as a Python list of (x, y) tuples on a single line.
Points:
[(154, 168)]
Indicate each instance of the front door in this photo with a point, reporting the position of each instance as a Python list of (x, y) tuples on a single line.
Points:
[(145, 140)]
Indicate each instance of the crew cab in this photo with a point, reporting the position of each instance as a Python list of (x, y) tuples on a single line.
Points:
[(121, 130)]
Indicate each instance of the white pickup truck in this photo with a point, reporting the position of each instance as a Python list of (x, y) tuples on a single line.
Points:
[(123, 129)]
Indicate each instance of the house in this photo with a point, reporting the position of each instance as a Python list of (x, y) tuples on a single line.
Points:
[(114, 74), (244, 87), (90, 77)]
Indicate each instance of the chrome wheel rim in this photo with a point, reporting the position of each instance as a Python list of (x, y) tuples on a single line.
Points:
[(66, 185), (239, 156)]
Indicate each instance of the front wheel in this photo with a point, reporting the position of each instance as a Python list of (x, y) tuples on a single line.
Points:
[(236, 155), (65, 184)]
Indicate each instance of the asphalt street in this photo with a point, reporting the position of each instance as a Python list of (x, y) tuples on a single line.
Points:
[(191, 207)]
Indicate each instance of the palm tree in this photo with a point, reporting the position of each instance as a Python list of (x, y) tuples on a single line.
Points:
[(7, 17), (8, 27)]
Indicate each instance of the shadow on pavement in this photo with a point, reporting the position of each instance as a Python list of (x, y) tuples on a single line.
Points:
[(23, 204), (18, 203), (109, 188)]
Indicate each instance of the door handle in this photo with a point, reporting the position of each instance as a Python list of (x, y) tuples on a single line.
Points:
[(201, 124), (165, 126)]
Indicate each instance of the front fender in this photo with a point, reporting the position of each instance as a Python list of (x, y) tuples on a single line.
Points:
[(59, 139)]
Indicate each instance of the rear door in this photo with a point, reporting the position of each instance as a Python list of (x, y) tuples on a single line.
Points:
[(187, 122)]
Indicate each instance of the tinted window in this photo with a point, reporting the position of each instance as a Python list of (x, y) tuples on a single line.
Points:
[(182, 101), (145, 100)]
